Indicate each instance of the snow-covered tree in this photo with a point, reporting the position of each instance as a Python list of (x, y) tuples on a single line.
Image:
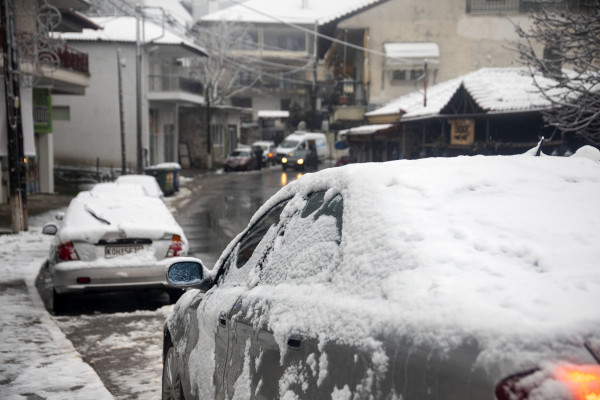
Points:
[(571, 64)]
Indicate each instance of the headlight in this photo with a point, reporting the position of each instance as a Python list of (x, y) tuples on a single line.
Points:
[(284, 160), (300, 161)]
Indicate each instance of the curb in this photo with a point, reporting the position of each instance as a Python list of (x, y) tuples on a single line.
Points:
[(57, 335)]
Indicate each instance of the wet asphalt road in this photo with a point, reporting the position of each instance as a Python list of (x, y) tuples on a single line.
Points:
[(120, 334)]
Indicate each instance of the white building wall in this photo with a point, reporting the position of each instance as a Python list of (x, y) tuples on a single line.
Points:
[(94, 128), (467, 42)]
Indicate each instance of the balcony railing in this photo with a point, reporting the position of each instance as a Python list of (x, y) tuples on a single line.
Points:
[(72, 59), (519, 6), (351, 93), (174, 83)]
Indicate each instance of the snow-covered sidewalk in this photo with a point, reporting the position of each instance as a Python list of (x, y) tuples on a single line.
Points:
[(37, 361)]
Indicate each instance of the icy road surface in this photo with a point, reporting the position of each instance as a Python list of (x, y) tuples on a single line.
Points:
[(120, 335)]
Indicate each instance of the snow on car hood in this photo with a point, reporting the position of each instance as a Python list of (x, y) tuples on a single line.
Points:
[(89, 218), (503, 250)]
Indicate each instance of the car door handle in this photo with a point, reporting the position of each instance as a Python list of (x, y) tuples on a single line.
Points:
[(223, 319)]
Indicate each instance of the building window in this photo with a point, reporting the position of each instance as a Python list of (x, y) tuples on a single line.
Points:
[(61, 113), (398, 75), (244, 102), (218, 135)]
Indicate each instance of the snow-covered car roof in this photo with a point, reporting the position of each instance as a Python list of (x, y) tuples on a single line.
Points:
[(147, 182), (501, 249), (91, 217)]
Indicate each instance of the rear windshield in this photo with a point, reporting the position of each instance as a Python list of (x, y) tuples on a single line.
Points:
[(239, 154), (288, 144)]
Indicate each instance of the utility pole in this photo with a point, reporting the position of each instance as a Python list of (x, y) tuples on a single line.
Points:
[(121, 115), (138, 71), (16, 157), (313, 92), (425, 78), (208, 138)]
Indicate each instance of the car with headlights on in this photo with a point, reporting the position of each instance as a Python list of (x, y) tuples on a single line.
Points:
[(241, 159), (109, 241), (300, 160), (450, 279)]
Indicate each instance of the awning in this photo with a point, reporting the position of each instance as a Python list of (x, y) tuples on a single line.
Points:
[(273, 114), (365, 130), (411, 51)]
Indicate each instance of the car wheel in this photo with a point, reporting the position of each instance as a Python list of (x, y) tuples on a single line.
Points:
[(171, 379), (60, 302), (174, 295)]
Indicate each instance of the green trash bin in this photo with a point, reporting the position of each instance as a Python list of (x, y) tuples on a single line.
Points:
[(165, 178)]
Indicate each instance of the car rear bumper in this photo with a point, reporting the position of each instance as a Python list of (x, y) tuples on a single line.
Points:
[(108, 278)]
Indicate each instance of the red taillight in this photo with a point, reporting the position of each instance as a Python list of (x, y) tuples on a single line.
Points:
[(176, 247), (83, 280), (581, 382), (67, 252)]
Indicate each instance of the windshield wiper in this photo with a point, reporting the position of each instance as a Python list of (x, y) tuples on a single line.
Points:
[(97, 217)]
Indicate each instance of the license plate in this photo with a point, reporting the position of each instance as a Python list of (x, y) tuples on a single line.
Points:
[(117, 251)]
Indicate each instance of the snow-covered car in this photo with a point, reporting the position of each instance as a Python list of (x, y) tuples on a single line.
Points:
[(147, 182), (111, 241), (241, 159), (450, 279)]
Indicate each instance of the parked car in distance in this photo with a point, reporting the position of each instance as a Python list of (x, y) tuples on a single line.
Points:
[(449, 279), (241, 159), (149, 183), (300, 140), (300, 160), (111, 241), (268, 148)]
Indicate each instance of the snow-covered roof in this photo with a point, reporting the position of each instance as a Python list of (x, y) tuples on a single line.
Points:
[(410, 50), (366, 129), (273, 114), (321, 12), (123, 29), (502, 250), (493, 89)]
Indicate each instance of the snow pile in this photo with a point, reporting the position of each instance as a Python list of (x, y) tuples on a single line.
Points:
[(36, 360), (89, 218), (503, 250)]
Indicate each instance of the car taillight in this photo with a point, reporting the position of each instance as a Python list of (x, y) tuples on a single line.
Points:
[(67, 252), (576, 382), (84, 280), (176, 247)]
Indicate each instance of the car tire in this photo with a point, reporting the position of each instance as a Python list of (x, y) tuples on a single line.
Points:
[(172, 389), (174, 295), (60, 302)]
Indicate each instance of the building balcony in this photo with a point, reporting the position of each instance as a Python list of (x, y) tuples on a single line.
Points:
[(175, 88)]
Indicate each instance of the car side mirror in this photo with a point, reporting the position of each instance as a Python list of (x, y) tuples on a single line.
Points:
[(188, 272), (50, 229), (59, 216)]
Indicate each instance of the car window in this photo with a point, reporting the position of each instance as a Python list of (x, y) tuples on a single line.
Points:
[(245, 249), (309, 248), (288, 144)]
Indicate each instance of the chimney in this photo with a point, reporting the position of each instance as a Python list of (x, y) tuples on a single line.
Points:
[(304, 4)]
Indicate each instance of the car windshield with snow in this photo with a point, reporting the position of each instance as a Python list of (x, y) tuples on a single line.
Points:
[(465, 278), (111, 239)]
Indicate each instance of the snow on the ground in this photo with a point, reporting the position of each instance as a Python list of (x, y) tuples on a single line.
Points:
[(35, 357), (128, 352)]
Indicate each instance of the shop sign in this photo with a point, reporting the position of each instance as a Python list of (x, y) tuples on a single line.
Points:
[(42, 111), (463, 131)]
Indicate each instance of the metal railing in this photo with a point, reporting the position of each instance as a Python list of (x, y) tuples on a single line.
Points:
[(174, 83), (72, 59), (352, 93), (519, 6)]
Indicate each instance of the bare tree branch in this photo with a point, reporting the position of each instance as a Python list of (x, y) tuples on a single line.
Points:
[(571, 41)]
